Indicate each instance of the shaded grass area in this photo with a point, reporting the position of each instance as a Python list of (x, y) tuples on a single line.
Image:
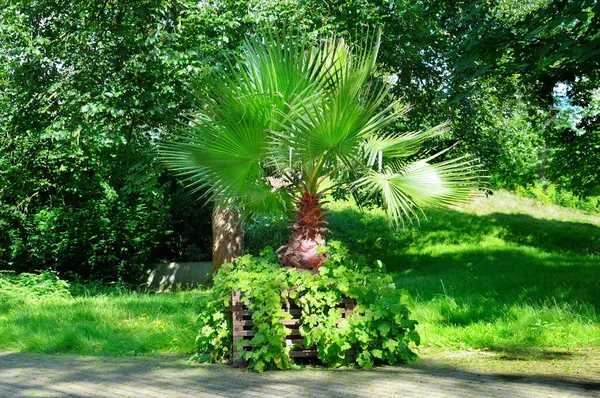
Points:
[(101, 322), (503, 274)]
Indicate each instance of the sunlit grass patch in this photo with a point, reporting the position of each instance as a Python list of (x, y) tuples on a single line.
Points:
[(121, 323), (491, 325), (502, 274)]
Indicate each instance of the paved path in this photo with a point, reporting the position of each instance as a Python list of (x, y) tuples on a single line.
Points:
[(24, 375)]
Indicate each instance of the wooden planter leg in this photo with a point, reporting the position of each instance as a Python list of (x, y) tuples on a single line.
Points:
[(242, 328)]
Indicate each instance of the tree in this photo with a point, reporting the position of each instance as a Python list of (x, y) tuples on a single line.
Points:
[(87, 87), (543, 45), (292, 113)]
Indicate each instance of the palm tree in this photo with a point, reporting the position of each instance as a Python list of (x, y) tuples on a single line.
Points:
[(291, 113)]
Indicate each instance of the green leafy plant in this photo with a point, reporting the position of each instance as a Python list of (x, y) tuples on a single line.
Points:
[(28, 287), (379, 329), (214, 337), (293, 112), (119, 80), (550, 193)]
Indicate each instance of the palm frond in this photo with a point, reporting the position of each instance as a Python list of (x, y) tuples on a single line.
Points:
[(348, 112), (399, 145), (421, 184), (228, 149), (300, 109)]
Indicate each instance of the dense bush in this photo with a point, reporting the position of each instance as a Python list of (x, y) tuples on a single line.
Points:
[(107, 227), (26, 287), (378, 330), (81, 189)]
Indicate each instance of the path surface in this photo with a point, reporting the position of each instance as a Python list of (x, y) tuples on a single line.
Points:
[(25, 375)]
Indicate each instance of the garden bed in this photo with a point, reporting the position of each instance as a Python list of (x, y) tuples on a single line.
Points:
[(284, 315)]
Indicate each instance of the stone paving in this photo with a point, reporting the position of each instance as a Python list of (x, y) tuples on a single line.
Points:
[(25, 375)]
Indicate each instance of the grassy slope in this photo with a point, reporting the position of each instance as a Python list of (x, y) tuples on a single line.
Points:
[(503, 274)]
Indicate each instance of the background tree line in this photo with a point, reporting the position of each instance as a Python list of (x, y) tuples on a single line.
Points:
[(89, 88)]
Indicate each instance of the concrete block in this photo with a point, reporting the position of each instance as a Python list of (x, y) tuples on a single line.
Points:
[(173, 276)]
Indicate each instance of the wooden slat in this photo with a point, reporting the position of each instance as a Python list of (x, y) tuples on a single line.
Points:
[(243, 324), (291, 305), (303, 354), (243, 333), (246, 322), (237, 329), (294, 341)]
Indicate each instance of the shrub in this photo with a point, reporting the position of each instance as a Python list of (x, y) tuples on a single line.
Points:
[(27, 287), (378, 330), (110, 231), (550, 193)]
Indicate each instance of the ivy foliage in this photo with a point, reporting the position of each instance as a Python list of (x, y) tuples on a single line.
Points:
[(379, 329)]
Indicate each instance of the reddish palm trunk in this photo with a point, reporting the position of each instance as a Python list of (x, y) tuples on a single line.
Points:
[(307, 234)]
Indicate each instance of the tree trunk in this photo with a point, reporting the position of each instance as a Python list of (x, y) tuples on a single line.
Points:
[(228, 236), (307, 235)]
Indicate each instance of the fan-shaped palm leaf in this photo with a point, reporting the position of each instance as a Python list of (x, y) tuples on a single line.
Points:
[(292, 111)]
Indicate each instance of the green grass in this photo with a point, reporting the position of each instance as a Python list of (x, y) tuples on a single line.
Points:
[(504, 274), (106, 322)]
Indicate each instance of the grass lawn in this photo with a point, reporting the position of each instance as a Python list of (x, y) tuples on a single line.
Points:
[(101, 322), (505, 274)]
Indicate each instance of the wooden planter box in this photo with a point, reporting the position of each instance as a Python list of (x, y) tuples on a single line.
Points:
[(243, 327)]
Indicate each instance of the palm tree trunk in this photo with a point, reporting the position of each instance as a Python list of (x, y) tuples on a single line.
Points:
[(307, 234), (228, 236)]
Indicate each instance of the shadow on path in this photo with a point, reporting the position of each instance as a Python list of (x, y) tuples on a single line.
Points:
[(26, 374)]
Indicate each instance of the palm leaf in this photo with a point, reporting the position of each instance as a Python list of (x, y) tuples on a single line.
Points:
[(399, 145), (421, 184), (300, 110), (228, 149), (328, 132)]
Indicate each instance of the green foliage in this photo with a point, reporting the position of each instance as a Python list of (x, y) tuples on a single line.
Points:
[(550, 193), (378, 330), (543, 42), (283, 116), (87, 88), (545, 45), (214, 338), (260, 232), (16, 290), (105, 228), (574, 136)]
